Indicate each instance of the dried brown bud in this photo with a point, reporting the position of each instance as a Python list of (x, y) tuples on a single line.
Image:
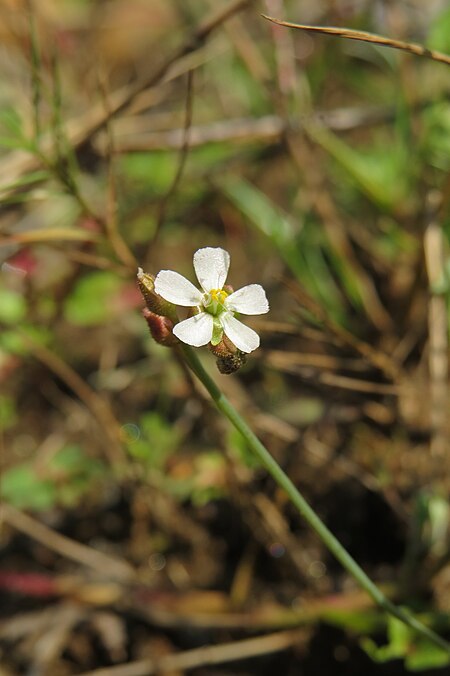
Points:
[(228, 358), (160, 328)]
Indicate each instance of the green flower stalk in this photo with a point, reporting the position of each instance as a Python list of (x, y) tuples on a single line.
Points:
[(214, 324), (304, 509)]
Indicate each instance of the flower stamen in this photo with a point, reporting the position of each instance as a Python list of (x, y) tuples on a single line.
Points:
[(218, 295), (214, 301)]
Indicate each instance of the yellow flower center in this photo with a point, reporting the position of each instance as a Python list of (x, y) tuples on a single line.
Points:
[(214, 300), (218, 295)]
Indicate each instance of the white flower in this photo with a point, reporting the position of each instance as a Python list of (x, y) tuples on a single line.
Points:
[(215, 307)]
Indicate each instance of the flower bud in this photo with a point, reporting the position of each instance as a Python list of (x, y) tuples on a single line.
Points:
[(228, 358), (160, 328), (155, 303)]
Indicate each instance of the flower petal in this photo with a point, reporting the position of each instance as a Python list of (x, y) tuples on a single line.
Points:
[(177, 289), (250, 300), (244, 338), (211, 267), (195, 331)]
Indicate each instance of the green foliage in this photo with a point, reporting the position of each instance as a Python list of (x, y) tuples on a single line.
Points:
[(154, 442), (417, 654), (386, 178), (11, 130), (13, 306), (393, 240), (431, 522), (91, 303), (439, 33), (8, 412), (436, 135), (241, 450), (301, 411), (26, 181), (262, 213), (154, 171), (23, 488), (64, 480), (247, 92), (14, 341)]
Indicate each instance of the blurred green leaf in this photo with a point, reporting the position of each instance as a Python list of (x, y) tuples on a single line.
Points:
[(15, 342), (300, 411), (73, 460), (91, 301), (26, 180), (25, 490), (397, 646), (74, 473), (13, 307), (365, 621), (248, 91), (393, 240), (240, 449), (261, 211), (436, 135), (426, 656), (403, 643), (156, 442), (11, 121), (64, 480), (384, 177), (439, 33), (154, 170), (8, 412)]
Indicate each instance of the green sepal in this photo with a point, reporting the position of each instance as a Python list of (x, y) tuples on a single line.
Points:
[(217, 334)]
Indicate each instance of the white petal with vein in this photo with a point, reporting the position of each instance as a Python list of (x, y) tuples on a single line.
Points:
[(195, 331), (242, 336), (250, 300), (177, 289), (211, 267)]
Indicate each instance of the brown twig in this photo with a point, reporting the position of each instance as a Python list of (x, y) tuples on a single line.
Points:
[(190, 659), (136, 137), (104, 564), (437, 331), (411, 47)]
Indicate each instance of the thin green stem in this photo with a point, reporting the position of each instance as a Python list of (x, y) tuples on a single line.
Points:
[(303, 507)]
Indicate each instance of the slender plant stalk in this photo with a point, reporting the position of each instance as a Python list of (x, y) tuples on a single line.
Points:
[(303, 507)]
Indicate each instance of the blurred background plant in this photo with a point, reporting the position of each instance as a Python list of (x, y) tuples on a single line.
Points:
[(135, 133)]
